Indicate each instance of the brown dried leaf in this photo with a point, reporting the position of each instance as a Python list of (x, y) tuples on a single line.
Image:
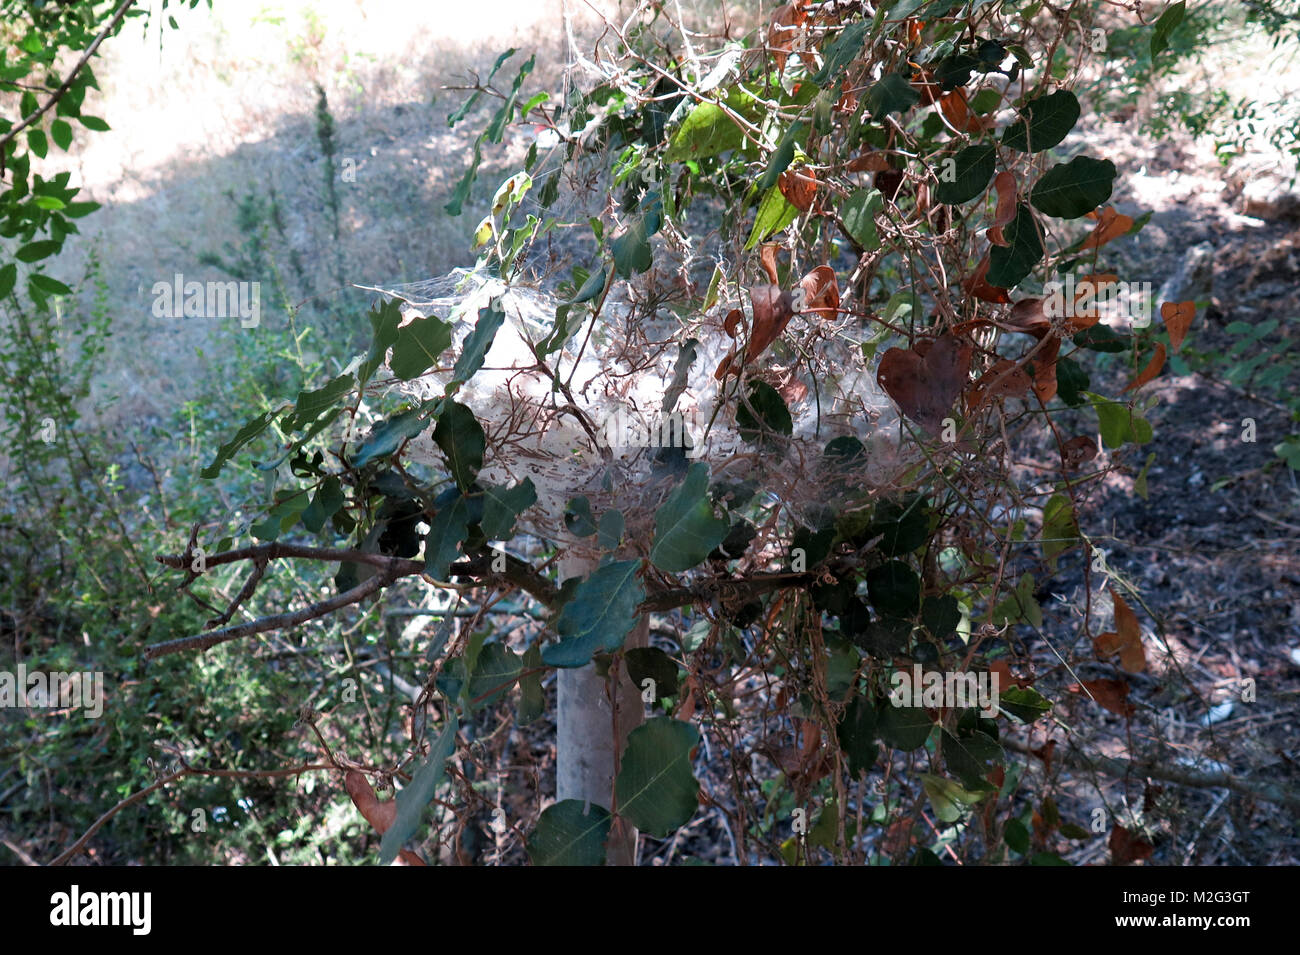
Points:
[(799, 186), (1126, 848), (1077, 452), (1110, 225), (1125, 639), (1005, 379), (767, 260), (1004, 183), (379, 814), (925, 385), (1152, 370), (1111, 694), (821, 292), (1043, 369), (1178, 318)]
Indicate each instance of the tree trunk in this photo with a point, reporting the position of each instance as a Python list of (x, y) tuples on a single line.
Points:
[(592, 729)]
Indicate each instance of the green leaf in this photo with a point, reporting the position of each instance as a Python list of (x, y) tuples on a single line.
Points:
[(841, 51), (1071, 380), (775, 212), (48, 285), (594, 285), (686, 529), (1024, 703), (461, 192), (1118, 424), (631, 250), (49, 203), (1010, 264), (1016, 836), (892, 93), (781, 157), (657, 792), (578, 517), (8, 277), (1051, 118), (894, 589), (1099, 338), (599, 615), (387, 437), (416, 795), (1060, 529), (941, 615), (773, 415), (245, 434), (708, 130), (948, 800), (417, 347), (326, 502), (903, 727), (462, 441), (450, 527), (75, 210), (969, 758), (564, 836), (1170, 18), (502, 506), (37, 142), (1075, 188), (496, 666), (532, 698), (312, 404), (858, 213), (611, 529), (972, 168), (35, 251), (905, 525), (856, 733), (61, 133), (95, 123), (289, 506), (477, 343), (651, 663)]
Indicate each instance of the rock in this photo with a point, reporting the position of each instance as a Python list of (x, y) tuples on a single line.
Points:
[(1269, 198), (1193, 280)]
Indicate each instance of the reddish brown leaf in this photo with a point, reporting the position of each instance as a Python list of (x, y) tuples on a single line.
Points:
[(1178, 318), (889, 182), (799, 186), (1027, 316), (407, 857), (1125, 639), (925, 386), (1111, 694), (848, 101), (1152, 370), (773, 310), (732, 321), (1110, 225), (1005, 379), (1043, 368), (767, 260), (784, 26), (821, 292), (1004, 183), (1126, 848), (978, 286), (1077, 452), (1005, 677), (869, 160), (379, 814)]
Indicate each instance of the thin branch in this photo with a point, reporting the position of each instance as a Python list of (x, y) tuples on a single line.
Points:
[(67, 83)]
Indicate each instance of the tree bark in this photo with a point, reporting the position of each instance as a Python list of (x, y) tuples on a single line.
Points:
[(595, 715)]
